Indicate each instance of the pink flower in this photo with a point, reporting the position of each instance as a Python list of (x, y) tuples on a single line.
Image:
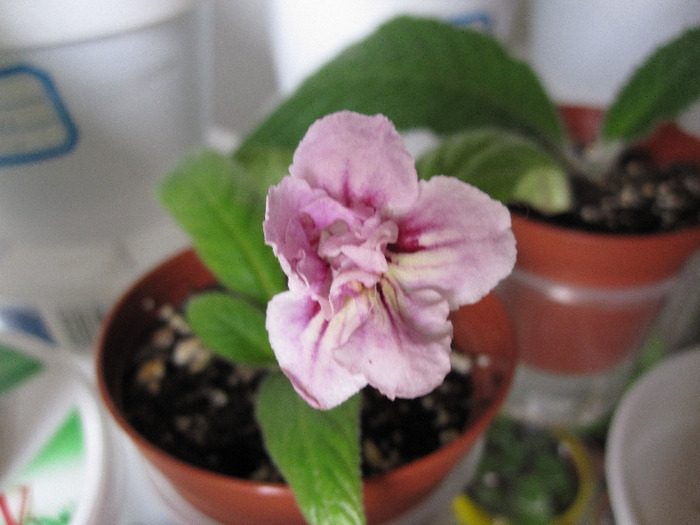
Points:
[(375, 260)]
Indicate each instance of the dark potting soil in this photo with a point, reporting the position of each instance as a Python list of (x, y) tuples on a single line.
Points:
[(200, 408), (635, 197)]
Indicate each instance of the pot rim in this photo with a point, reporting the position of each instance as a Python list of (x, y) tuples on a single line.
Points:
[(600, 259)]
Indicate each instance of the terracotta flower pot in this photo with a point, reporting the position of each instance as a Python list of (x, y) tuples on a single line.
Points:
[(482, 328), (582, 302)]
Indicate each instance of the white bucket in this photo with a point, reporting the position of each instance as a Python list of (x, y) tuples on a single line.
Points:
[(307, 33), (97, 100), (652, 457)]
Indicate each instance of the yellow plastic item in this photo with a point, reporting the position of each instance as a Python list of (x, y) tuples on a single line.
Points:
[(468, 512)]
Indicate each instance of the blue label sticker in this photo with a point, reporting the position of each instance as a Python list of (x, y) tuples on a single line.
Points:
[(24, 319), (34, 122), (479, 20)]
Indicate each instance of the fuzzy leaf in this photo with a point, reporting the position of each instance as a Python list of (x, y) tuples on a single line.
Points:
[(421, 74), (546, 189), (216, 203), (665, 85), (317, 451), (505, 166), (266, 164), (232, 327)]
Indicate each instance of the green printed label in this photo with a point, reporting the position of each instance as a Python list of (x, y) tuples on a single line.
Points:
[(47, 491), (15, 368)]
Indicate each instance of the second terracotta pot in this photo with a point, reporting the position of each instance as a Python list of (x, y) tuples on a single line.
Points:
[(582, 302)]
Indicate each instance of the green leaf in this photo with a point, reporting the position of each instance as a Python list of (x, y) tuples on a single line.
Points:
[(216, 203), (420, 73), (546, 189), (231, 327), (507, 167), (665, 85), (317, 451), (266, 164)]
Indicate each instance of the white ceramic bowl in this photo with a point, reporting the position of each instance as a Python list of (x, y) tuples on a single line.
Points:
[(653, 452)]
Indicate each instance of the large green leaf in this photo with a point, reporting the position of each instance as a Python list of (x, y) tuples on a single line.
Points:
[(267, 164), (421, 74), (507, 167), (216, 203), (666, 84), (232, 327), (317, 451)]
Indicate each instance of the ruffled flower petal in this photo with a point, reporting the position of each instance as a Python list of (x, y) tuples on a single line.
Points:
[(403, 348), (456, 240), (358, 160), (304, 342), (290, 233)]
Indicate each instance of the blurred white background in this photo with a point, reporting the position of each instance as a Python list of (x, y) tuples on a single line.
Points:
[(243, 74), (245, 85), (599, 41)]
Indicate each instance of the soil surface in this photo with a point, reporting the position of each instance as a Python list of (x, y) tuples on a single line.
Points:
[(200, 408), (635, 197)]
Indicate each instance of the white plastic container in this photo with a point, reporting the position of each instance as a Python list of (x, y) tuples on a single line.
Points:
[(652, 461), (98, 100), (57, 459), (307, 33)]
